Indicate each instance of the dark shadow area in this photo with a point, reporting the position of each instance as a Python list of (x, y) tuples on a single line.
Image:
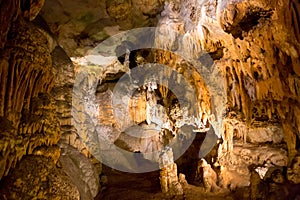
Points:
[(122, 185), (188, 162)]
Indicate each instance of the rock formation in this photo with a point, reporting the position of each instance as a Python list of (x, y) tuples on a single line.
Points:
[(82, 84), (35, 107)]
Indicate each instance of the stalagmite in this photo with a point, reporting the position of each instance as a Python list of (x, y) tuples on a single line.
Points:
[(209, 176), (168, 173), (231, 78)]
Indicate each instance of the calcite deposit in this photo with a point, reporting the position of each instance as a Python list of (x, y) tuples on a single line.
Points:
[(201, 96)]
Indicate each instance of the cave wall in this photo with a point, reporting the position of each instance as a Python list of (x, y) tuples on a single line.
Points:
[(27, 110), (243, 48), (254, 47), (36, 84), (80, 25)]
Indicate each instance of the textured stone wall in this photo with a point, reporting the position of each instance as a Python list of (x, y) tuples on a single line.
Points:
[(81, 25), (36, 78), (240, 57), (242, 63), (255, 46), (27, 110)]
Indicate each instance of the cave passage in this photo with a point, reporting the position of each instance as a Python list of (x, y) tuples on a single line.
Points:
[(149, 99)]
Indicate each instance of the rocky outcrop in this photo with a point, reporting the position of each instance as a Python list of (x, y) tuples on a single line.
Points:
[(257, 61), (244, 81), (47, 181), (27, 109), (222, 68), (81, 171), (263, 61), (169, 181), (36, 87), (81, 25)]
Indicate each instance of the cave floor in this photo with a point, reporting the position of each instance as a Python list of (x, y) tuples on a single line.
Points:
[(127, 186)]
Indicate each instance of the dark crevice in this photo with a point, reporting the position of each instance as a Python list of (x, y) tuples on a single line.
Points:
[(188, 162), (297, 143), (40, 22), (295, 19), (248, 22), (218, 54), (108, 82), (134, 55), (25, 5), (122, 185)]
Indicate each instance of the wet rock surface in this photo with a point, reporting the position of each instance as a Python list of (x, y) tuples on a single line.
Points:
[(234, 69)]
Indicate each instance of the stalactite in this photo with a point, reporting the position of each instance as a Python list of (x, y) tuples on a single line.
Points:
[(137, 108), (192, 46), (290, 138), (26, 78), (244, 39)]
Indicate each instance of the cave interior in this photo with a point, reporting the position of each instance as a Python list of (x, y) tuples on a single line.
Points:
[(150, 99)]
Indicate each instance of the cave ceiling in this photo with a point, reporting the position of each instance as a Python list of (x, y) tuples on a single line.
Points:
[(134, 84)]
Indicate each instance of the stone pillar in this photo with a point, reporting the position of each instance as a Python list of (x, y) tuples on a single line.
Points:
[(168, 173)]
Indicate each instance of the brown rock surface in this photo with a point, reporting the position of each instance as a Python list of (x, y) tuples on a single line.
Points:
[(27, 109), (81, 25), (237, 65), (37, 177), (256, 59)]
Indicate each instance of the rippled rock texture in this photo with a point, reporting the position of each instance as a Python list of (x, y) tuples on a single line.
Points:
[(36, 75), (27, 110), (230, 77), (258, 63)]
